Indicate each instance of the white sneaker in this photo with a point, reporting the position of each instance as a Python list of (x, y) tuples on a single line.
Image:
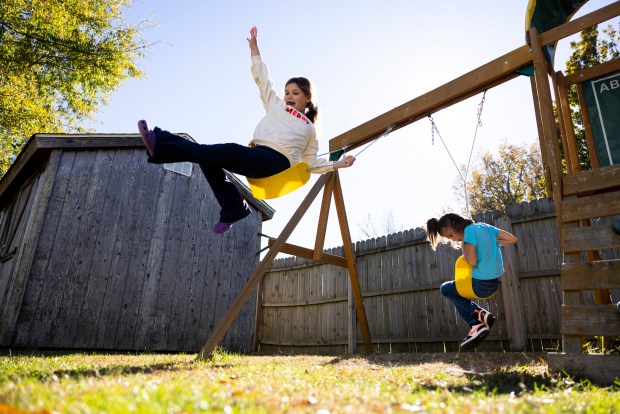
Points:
[(476, 334)]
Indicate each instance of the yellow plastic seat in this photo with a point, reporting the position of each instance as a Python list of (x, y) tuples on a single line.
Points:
[(462, 278), (281, 183)]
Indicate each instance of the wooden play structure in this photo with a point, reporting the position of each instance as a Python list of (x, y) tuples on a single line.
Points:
[(581, 197)]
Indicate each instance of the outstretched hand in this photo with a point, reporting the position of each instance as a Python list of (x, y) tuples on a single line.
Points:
[(253, 42), (346, 162)]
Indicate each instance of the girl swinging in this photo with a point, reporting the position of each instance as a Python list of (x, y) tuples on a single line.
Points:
[(480, 243), (285, 136)]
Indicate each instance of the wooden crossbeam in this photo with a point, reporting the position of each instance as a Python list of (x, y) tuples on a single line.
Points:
[(597, 71), (484, 77), (581, 239), (310, 254), (487, 76), (597, 205), (577, 25), (590, 320), (605, 178), (603, 274)]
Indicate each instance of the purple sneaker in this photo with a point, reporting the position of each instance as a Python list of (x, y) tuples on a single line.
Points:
[(221, 227), (147, 136), (224, 226)]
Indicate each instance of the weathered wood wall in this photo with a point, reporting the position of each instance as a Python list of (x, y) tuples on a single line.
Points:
[(303, 304), (121, 256)]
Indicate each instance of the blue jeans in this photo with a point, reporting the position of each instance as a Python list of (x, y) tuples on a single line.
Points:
[(464, 306), (254, 162)]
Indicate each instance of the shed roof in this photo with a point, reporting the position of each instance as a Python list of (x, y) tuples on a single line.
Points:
[(38, 147)]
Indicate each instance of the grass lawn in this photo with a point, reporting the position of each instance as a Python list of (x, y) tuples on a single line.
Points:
[(231, 383)]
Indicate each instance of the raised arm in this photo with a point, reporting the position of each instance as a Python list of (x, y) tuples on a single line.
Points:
[(253, 42)]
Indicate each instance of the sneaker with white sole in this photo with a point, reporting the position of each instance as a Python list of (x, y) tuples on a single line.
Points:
[(485, 317), (476, 334)]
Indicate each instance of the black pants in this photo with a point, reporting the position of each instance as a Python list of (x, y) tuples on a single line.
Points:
[(253, 162)]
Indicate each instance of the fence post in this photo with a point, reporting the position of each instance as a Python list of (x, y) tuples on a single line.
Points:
[(511, 291)]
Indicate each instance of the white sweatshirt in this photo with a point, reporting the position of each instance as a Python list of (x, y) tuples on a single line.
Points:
[(283, 128)]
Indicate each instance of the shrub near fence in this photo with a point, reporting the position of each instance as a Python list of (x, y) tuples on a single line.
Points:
[(304, 306)]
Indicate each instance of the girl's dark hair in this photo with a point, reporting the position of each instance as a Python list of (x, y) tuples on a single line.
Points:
[(312, 111), (435, 227)]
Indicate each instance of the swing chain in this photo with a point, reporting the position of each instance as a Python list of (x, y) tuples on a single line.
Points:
[(480, 106), (433, 128), (478, 124)]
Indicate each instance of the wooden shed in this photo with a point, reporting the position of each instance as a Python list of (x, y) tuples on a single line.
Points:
[(101, 250)]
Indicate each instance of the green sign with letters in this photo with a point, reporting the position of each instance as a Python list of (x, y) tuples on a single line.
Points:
[(603, 101)]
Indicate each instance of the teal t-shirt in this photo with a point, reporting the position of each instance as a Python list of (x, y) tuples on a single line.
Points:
[(484, 236)]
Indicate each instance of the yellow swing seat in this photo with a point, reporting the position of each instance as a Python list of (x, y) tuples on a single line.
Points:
[(462, 278), (281, 183)]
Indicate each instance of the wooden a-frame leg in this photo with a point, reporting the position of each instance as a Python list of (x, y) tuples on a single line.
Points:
[(323, 217), (350, 256), (252, 283)]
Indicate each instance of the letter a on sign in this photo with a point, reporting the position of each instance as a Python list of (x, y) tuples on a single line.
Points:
[(603, 101)]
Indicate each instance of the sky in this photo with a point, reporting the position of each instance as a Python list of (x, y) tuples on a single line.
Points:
[(364, 58)]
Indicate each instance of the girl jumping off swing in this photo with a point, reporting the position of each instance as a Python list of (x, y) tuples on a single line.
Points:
[(286, 135), (480, 243)]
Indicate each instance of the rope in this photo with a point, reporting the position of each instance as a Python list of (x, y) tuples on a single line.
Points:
[(433, 129), (464, 178), (385, 134)]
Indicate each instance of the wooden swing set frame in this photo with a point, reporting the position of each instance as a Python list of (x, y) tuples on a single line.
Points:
[(492, 74)]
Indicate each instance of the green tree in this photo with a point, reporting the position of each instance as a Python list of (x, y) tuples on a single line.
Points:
[(60, 60), (589, 51), (515, 176)]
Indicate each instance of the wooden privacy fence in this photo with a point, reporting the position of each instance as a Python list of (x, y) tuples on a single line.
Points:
[(305, 307)]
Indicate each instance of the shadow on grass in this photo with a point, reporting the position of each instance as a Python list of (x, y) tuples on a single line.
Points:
[(504, 383), (474, 362), (500, 373), (114, 368)]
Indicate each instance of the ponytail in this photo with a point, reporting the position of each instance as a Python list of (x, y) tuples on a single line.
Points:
[(312, 112), (432, 232), (434, 227)]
